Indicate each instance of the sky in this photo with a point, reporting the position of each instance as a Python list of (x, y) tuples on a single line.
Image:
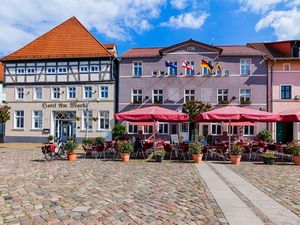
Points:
[(146, 23)]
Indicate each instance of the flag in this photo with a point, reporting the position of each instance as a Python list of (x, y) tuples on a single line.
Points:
[(168, 64), (186, 65), (206, 65), (219, 66)]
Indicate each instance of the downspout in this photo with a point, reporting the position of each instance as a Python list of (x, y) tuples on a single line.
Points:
[(271, 97)]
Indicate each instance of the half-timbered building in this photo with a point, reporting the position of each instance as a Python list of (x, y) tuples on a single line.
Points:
[(62, 84)]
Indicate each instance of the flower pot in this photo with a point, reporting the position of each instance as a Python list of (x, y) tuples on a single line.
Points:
[(197, 158), (159, 159), (71, 156), (269, 161), (235, 159), (297, 160), (125, 157)]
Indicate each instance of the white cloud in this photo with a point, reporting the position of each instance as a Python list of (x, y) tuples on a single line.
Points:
[(21, 21), (259, 6), (191, 20), (285, 23), (179, 4)]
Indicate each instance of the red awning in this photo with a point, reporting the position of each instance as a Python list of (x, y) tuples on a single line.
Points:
[(241, 124), (142, 123), (292, 115)]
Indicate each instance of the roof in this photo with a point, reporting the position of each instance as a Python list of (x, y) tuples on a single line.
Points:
[(67, 40), (268, 50), (1, 72), (230, 50), (239, 50)]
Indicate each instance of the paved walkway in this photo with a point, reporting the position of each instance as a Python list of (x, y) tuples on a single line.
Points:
[(241, 202)]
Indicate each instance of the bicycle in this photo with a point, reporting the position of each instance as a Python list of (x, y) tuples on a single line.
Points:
[(54, 151)]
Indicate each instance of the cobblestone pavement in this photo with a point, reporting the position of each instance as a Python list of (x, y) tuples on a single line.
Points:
[(280, 182), (93, 191)]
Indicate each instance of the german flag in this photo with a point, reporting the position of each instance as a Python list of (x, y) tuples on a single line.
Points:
[(206, 65)]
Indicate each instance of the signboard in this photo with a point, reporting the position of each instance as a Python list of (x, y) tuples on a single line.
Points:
[(174, 139), (64, 105), (46, 131)]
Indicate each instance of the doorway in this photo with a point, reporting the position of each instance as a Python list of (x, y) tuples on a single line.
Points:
[(64, 125), (284, 132)]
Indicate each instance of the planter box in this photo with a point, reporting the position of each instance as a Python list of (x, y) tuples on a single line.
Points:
[(268, 161)]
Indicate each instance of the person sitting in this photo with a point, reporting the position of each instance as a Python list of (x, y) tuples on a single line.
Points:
[(137, 144)]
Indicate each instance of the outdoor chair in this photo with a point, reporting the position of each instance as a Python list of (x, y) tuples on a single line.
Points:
[(177, 150), (87, 150)]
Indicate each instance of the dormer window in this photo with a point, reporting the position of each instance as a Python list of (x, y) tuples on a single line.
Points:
[(30, 70), (94, 68), (62, 69), (20, 70), (84, 69), (51, 70)]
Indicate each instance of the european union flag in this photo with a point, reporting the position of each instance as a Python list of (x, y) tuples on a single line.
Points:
[(168, 64)]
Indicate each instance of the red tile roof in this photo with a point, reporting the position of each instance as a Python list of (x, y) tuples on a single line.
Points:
[(68, 40), (1, 72), (142, 52)]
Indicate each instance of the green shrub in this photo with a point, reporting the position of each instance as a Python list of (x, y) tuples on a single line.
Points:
[(99, 140), (196, 148), (159, 153), (265, 135), (88, 141), (118, 132), (294, 148), (125, 146), (236, 149), (71, 145)]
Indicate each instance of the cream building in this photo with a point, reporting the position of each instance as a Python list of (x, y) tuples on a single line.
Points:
[(61, 84)]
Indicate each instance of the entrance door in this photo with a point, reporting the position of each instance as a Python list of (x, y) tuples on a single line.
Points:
[(284, 132), (185, 131)]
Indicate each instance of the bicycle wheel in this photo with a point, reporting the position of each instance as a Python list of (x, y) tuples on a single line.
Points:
[(49, 156), (62, 153)]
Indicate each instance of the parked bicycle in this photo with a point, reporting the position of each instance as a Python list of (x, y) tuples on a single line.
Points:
[(54, 151)]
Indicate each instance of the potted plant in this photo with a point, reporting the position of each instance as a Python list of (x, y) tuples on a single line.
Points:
[(236, 154), (70, 146), (245, 102), (294, 148), (196, 150), (88, 142), (50, 138), (95, 119), (223, 102), (268, 158), (78, 118), (118, 132), (159, 154), (125, 148), (99, 140), (265, 135)]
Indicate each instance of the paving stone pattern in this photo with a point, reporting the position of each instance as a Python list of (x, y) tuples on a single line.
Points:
[(93, 191), (280, 182)]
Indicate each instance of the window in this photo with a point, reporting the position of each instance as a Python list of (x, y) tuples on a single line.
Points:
[(204, 130), (137, 69), (286, 92), (94, 68), (19, 93), (245, 66), (132, 129), (147, 129), (38, 93), (173, 71), (87, 116), (162, 73), (55, 92), (51, 70), (154, 73), (37, 119), (137, 96), (88, 92), (233, 129), (158, 96), (218, 72), (19, 119), (226, 72), (286, 66), (245, 95), (84, 69), (189, 95), (104, 92), (248, 130), (190, 72), (163, 128), (20, 70), (184, 127), (62, 69), (206, 71), (30, 70), (72, 92), (216, 129), (104, 120), (222, 95)]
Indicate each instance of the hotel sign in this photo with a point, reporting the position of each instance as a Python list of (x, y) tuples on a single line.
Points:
[(64, 105)]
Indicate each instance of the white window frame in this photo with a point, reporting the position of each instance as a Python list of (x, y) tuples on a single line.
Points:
[(280, 86), (85, 70), (153, 73), (189, 95), (72, 91), (225, 73), (104, 119), (50, 70), (250, 62), (34, 118), (172, 69), (137, 95), (222, 95), (30, 70), (100, 91), (62, 68), (191, 72), (163, 131), (89, 122), (84, 92), (17, 93), (157, 95), (249, 133), (15, 119), (52, 93), (133, 126), (286, 64), (95, 70), (183, 126), (35, 93), (133, 70), (240, 95), (146, 129), (162, 73), (21, 68), (216, 124)]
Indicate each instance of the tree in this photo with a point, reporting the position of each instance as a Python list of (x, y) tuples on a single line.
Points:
[(194, 108), (118, 132), (4, 114)]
